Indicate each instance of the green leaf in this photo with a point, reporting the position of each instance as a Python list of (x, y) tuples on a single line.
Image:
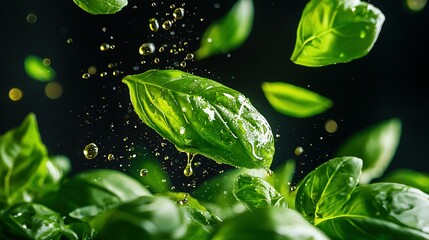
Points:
[(35, 69), (93, 191), (375, 145), (294, 101), (327, 188), (229, 32), (408, 177), (101, 6), (201, 116), (380, 211), (268, 223), (281, 180), (32, 221), (23, 158), (147, 217), (255, 193), (336, 31)]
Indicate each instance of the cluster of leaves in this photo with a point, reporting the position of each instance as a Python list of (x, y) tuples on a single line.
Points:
[(341, 199)]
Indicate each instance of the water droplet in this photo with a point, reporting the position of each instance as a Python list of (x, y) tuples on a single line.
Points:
[(110, 157), (167, 24), (269, 172), (182, 130), (31, 18), (293, 188), (189, 56), (143, 172), (331, 126), (15, 94), (299, 151), (103, 74), (115, 73), (69, 40), (183, 201), (86, 75), (188, 169), (104, 47), (362, 34), (147, 48), (183, 64), (178, 13), (153, 25), (156, 60), (90, 151)]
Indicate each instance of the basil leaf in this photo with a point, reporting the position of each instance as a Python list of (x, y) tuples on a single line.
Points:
[(201, 116), (32, 221), (97, 190), (229, 32), (147, 217), (327, 188), (409, 177), (101, 6), (380, 211), (281, 180), (23, 158), (268, 223), (35, 69), (255, 193), (294, 101), (336, 31), (375, 145)]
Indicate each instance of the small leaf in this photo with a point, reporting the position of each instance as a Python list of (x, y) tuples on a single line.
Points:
[(409, 177), (375, 145), (327, 188), (229, 32), (294, 101), (255, 193), (201, 116), (101, 6), (336, 31), (35, 69)]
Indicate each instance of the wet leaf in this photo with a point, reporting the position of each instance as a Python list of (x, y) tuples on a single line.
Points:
[(294, 101), (229, 32), (336, 31), (201, 116), (101, 6)]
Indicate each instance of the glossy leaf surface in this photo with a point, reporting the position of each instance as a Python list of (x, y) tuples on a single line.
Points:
[(201, 116), (101, 6), (336, 31), (295, 101), (375, 145), (229, 32)]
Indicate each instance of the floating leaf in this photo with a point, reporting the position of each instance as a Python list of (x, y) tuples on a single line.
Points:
[(101, 6), (35, 69), (201, 116), (336, 31), (229, 32), (375, 145), (294, 101)]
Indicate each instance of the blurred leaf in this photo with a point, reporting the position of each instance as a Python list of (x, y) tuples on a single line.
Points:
[(156, 179), (35, 69), (294, 101), (375, 145), (229, 32), (147, 217), (336, 31), (101, 6), (256, 193), (268, 223), (408, 177)]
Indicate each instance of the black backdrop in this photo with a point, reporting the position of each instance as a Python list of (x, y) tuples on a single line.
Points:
[(388, 82)]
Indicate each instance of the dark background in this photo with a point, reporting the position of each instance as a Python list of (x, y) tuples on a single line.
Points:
[(389, 82)]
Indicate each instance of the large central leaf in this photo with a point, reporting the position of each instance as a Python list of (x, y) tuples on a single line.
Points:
[(201, 116)]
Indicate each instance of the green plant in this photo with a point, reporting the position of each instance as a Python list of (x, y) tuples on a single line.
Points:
[(340, 199)]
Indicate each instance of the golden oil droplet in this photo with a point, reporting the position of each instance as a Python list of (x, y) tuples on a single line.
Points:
[(179, 13), (299, 151), (90, 151), (143, 172), (86, 75), (15, 94), (153, 25), (147, 49), (110, 157), (167, 24), (188, 169), (104, 47)]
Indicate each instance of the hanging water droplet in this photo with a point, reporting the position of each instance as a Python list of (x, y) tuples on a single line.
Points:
[(147, 48), (188, 169), (90, 151), (143, 172), (153, 25), (178, 13)]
